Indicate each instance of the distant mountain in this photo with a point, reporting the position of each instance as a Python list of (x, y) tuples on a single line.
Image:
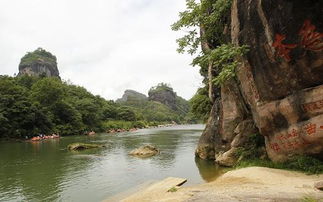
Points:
[(131, 95), (165, 94), (162, 104), (39, 63)]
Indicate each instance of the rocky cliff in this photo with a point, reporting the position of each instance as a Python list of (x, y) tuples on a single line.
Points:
[(39, 63), (278, 88), (131, 95), (164, 94)]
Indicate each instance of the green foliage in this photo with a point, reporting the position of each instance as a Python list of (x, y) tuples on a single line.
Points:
[(120, 124), (125, 113), (304, 164), (210, 15), (309, 199), (164, 93), (253, 154), (30, 106), (160, 87), (173, 189), (33, 105), (152, 111), (224, 59), (38, 55), (200, 105)]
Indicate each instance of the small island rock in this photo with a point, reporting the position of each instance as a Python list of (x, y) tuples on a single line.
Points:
[(82, 146), (145, 151)]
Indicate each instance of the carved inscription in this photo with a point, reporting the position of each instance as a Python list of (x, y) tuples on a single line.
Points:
[(309, 40), (293, 140), (312, 106)]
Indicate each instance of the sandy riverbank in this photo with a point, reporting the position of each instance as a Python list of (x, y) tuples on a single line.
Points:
[(247, 184)]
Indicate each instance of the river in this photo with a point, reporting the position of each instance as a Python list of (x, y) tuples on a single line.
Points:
[(46, 171)]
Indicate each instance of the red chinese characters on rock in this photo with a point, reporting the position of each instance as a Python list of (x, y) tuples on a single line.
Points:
[(310, 39), (293, 139), (313, 106), (293, 134), (310, 129), (283, 50), (275, 147)]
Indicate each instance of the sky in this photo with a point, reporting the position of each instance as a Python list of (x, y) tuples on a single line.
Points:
[(106, 46)]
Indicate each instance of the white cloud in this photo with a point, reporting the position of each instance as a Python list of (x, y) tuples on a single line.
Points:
[(105, 46)]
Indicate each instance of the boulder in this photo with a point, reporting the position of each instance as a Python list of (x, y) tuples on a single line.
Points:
[(82, 146), (145, 151), (227, 158), (319, 185)]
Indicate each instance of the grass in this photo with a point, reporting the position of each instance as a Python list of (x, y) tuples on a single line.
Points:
[(173, 189), (254, 154), (119, 124), (306, 164), (309, 199)]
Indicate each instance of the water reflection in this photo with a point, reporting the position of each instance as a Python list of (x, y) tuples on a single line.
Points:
[(208, 170)]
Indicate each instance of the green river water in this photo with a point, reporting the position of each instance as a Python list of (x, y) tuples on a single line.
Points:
[(46, 171)]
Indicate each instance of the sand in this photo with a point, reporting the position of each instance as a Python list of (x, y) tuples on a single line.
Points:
[(246, 184)]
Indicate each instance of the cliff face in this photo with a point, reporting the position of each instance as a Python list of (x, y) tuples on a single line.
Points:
[(164, 94), (131, 95), (39, 63), (278, 90)]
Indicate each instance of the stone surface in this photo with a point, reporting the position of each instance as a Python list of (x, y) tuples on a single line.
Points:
[(227, 158), (82, 146), (250, 184), (209, 139), (319, 185), (144, 151), (131, 95), (279, 85), (39, 63), (156, 191), (165, 94)]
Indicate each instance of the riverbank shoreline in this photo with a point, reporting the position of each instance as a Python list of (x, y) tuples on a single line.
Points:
[(246, 184)]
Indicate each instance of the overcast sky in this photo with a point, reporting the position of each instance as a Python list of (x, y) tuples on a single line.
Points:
[(106, 46)]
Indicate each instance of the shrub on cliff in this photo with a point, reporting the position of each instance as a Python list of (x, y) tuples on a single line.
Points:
[(38, 55)]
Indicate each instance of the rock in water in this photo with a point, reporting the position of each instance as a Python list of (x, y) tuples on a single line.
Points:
[(145, 151), (82, 146), (39, 63)]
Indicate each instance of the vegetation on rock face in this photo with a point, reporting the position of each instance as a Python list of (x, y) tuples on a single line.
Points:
[(163, 105), (165, 94), (254, 154), (200, 105), (132, 96), (36, 56), (39, 63), (217, 59)]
